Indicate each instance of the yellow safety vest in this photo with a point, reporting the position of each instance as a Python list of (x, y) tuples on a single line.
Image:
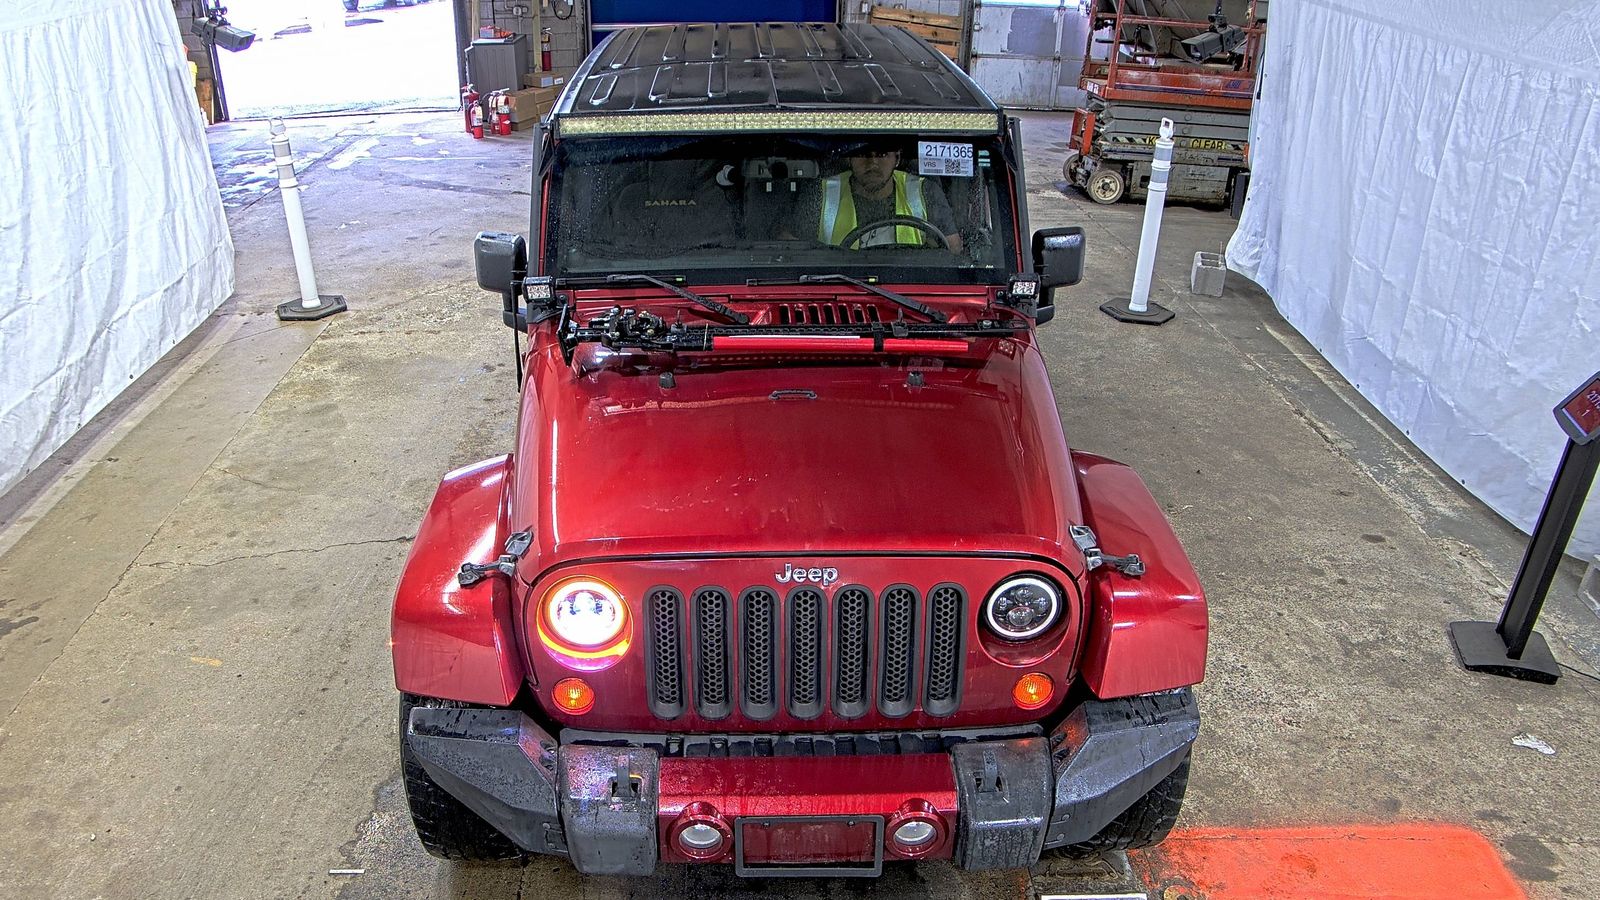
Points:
[(839, 208)]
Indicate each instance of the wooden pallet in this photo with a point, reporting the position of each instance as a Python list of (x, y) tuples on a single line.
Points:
[(943, 32)]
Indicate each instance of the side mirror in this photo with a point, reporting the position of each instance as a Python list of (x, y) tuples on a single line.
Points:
[(501, 259), (502, 262), (1058, 257)]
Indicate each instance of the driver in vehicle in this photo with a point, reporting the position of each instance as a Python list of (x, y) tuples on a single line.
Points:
[(875, 189)]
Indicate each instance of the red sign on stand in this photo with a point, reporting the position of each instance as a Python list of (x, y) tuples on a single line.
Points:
[(1579, 414)]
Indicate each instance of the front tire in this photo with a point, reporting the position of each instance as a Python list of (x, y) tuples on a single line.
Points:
[(1148, 821), (445, 826)]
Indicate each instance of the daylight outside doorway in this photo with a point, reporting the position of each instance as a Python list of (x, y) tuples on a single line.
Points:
[(319, 56)]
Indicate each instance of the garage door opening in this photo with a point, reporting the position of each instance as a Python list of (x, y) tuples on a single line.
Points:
[(331, 56)]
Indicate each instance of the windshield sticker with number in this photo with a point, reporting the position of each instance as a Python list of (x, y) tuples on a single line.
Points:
[(940, 158)]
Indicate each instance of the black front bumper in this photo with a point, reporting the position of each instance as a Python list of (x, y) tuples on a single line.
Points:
[(597, 806)]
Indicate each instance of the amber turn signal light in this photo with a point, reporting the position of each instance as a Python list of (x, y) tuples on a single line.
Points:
[(573, 695), (1033, 690)]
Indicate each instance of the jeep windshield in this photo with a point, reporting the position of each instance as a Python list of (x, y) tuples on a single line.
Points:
[(730, 208)]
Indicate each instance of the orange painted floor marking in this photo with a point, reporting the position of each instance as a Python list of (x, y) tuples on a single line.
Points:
[(1408, 862)]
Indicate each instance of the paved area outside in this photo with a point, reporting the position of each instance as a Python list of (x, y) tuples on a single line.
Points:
[(195, 695), (312, 56)]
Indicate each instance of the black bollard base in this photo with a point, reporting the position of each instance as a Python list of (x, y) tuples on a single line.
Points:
[(327, 305), (1156, 314), (1481, 649)]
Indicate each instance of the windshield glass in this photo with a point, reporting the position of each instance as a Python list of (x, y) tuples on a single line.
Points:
[(731, 207)]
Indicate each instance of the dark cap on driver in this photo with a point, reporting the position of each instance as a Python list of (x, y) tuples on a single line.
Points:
[(879, 145)]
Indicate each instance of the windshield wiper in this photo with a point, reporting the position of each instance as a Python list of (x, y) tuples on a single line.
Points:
[(732, 315), (915, 306)]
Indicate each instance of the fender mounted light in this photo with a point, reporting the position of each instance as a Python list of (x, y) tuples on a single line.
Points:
[(573, 695), (1033, 690)]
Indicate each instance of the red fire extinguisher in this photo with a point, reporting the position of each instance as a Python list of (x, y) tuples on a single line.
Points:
[(544, 49), (477, 120), (491, 112), (503, 108), (469, 102)]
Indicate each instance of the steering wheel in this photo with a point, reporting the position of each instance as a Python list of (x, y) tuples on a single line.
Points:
[(855, 234)]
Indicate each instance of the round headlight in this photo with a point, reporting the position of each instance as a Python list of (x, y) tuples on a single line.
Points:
[(1022, 607), (585, 613)]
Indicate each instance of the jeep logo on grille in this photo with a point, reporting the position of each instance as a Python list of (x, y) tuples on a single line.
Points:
[(814, 575)]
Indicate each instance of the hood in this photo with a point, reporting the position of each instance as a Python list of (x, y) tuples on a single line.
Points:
[(793, 458)]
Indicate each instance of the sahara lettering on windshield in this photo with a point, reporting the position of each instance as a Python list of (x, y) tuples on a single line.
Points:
[(773, 205)]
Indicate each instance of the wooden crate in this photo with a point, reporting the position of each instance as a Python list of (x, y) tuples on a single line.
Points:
[(899, 14), (943, 32), (203, 94)]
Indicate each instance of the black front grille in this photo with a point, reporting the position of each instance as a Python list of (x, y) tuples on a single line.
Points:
[(897, 693), (852, 627), (806, 611), (946, 618), (804, 655), (713, 696), (664, 652), (758, 638)]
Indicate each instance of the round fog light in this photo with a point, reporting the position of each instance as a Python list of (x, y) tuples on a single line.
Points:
[(914, 833), (700, 838)]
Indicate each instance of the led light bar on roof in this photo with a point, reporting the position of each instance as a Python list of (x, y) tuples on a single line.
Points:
[(834, 122)]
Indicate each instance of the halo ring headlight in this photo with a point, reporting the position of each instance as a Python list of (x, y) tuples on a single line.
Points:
[(1022, 607), (585, 613)]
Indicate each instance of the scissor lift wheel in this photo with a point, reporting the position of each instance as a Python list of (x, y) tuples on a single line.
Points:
[(1106, 184), (1069, 166)]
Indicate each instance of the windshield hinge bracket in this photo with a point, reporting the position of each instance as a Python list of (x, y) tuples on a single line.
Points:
[(1082, 535), (516, 546)]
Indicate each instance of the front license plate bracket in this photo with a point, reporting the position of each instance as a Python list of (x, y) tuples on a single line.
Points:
[(748, 830)]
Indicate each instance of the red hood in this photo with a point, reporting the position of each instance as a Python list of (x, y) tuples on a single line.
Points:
[(795, 459)]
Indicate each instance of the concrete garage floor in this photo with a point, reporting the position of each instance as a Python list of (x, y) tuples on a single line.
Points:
[(194, 675)]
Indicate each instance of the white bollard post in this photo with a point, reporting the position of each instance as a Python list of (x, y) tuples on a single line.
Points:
[(311, 305), (1137, 307)]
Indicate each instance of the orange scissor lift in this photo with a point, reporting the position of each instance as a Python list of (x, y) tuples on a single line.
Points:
[(1133, 88)]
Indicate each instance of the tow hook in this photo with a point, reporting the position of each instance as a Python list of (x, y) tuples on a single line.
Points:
[(516, 545), (1082, 535)]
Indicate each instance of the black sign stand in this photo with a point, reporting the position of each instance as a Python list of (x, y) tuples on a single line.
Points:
[(1511, 647)]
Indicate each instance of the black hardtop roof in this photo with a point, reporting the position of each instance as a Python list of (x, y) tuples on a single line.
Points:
[(768, 66)]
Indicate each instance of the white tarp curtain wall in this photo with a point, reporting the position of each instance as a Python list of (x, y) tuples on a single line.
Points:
[(113, 244), (1425, 208)]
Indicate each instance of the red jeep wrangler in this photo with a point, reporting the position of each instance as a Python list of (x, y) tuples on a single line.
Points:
[(791, 566)]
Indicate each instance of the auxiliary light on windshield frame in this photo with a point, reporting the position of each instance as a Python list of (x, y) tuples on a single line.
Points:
[(538, 288), (828, 121)]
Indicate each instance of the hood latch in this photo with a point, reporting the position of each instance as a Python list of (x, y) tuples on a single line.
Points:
[(1082, 535), (516, 545)]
